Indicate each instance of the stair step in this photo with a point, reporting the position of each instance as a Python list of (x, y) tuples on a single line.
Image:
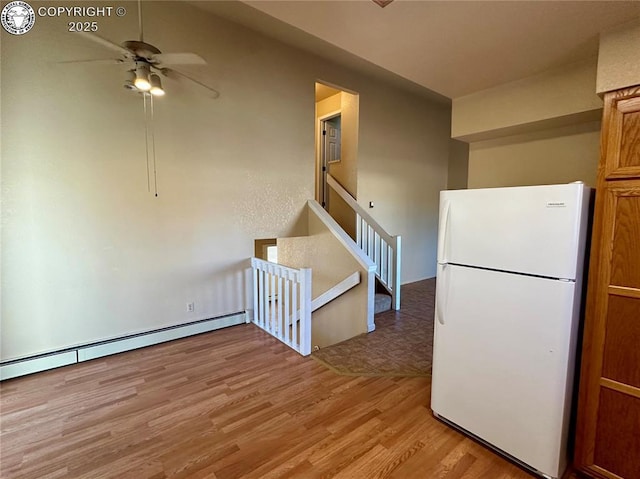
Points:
[(382, 303)]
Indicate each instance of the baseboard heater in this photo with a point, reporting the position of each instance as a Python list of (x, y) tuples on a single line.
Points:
[(55, 359)]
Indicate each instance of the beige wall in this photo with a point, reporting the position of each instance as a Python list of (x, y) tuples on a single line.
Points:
[(330, 263), (342, 213), (619, 58), (544, 129), (458, 174), (328, 106), (324, 107), (402, 166), (89, 254), (346, 170), (556, 98), (560, 155)]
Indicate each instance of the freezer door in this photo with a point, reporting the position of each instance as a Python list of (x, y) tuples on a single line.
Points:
[(536, 230), (503, 361)]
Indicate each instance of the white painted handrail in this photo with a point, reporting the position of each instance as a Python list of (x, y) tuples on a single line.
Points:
[(282, 303), (339, 289), (356, 252), (382, 248), (342, 236)]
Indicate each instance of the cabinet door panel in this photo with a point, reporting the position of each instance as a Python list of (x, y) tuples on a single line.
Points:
[(621, 134), (618, 434), (625, 259), (621, 360), (630, 141)]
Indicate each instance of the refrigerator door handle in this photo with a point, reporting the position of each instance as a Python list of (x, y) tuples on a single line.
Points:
[(442, 292), (443, 231)]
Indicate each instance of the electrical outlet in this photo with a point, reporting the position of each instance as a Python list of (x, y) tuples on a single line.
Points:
[(191, 307)]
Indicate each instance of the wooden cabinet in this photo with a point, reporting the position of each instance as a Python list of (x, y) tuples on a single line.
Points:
[(608, 428)]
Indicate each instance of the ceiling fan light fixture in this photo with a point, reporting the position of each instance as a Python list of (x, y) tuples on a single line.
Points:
[(156, 85), (142, 77), (129, 83)]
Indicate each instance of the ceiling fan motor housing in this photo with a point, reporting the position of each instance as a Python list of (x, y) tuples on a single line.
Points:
[(142, 51)]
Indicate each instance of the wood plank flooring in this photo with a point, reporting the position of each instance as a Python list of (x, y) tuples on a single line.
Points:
[(234, 403)]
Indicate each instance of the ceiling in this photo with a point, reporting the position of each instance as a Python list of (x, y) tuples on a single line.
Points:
[(451, 48), (324, 91)]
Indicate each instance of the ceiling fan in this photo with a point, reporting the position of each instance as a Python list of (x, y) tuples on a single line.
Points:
[(147, 63)]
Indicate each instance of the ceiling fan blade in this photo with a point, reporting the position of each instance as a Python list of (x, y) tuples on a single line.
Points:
[(179, 76), (107, 61), (106, 43), (178, 59)]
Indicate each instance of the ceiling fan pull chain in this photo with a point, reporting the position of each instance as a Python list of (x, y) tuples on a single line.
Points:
[(146, 139), (140, 19), (153, 144)]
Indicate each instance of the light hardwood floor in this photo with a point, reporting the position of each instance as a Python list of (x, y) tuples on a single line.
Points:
[(230, 404)]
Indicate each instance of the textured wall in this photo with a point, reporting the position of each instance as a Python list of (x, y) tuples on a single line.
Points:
[(618, 58), (555, 98), (402, 166), (560, 155), (89, 254), (543, 129), (458, 176)]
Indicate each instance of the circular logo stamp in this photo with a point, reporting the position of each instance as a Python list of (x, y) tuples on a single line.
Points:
[(17, 17)]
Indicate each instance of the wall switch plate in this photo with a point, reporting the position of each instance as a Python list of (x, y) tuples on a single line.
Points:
[(191, 307)]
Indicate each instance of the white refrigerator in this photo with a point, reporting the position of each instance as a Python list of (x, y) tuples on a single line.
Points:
[(508, 299)]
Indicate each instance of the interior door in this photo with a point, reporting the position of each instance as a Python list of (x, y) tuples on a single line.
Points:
[(331, 150), (332, 139)]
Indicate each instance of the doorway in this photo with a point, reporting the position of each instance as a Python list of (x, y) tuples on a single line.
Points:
[(337, 122), (330, 150)]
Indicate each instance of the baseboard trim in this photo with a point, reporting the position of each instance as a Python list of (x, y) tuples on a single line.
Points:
[(43, 362)]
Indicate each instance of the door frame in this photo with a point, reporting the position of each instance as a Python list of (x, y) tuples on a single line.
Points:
[(323, 165)]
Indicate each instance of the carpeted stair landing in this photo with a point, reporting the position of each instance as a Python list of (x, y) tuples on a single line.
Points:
[(382, 303)]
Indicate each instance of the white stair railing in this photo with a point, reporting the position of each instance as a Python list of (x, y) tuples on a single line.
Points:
[(338, 290), (282, 303), (382, 248)]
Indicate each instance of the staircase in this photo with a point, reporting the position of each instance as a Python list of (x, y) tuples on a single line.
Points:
[(327, 293), (381, 303), (382, 248)]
